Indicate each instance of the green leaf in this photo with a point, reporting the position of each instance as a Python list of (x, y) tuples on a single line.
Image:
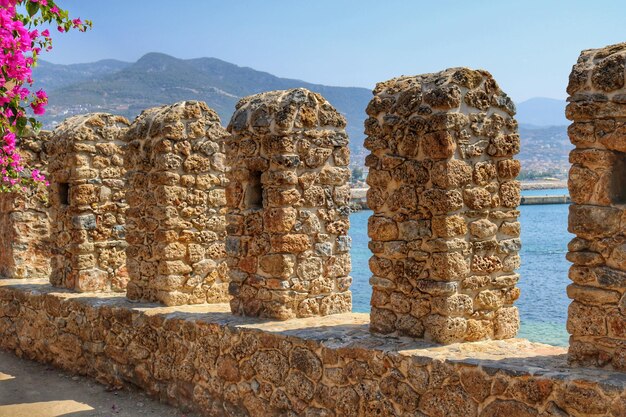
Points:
[(32, 8), (20, 125)]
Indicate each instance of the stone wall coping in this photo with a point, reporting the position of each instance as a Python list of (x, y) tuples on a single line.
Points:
[(516, 357)]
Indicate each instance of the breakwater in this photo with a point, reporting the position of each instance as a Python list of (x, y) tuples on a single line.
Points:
[(545, 199), (359, 199)]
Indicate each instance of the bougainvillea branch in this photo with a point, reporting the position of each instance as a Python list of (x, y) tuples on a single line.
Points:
[(20, 45)]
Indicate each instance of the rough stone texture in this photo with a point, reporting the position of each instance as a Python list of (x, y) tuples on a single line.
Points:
[(444, 232), (87, 203), (597, 185), (25, 219), (176, 217), (204, 358), (288, 243)]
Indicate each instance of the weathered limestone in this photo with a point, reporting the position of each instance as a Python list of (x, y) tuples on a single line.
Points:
[(203, 358), (444, 233), (288, 199), (597, 185), (176, 218), (87, 203), (24, 219)]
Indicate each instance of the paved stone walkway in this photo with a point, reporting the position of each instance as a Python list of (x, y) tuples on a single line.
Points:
[(31, 389)]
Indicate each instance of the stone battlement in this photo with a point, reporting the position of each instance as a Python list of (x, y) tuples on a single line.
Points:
[(176, 209)]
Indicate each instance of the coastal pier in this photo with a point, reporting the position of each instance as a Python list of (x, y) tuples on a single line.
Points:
[(359, 199), (545, 199)]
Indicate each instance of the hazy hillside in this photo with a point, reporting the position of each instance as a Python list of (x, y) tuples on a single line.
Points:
[(156, 79), (544, 151), (51, 76), (541, 111)]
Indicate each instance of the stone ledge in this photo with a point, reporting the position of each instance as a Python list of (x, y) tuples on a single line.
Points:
[(204, 358)]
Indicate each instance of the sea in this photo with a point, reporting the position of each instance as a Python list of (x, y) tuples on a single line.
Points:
[(543, 275)]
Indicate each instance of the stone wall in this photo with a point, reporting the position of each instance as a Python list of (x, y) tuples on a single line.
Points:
[(204, 358), (597, 185), (88, 205), (444, 232), (288, 203), (24, 219), (176, 217)]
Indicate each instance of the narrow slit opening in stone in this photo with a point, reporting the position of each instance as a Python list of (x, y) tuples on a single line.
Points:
[(617, 189), (254, 191), (64, 193)]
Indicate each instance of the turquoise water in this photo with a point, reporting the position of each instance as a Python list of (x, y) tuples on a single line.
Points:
[(543, 303)]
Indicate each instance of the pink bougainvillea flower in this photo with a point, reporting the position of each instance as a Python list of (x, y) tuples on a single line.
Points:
[(20, 45), (38, 108)]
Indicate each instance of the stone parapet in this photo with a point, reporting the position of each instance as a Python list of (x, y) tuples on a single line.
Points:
[(204, 358), (176, 218), (87, 198), (444, 232), (288, 197), (25, 219), (597, 185)]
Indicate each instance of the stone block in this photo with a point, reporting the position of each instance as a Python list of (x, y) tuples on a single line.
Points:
[(596, 185), (88, 204), (181, 208), (297, 206), (25, 218), (443, 192)]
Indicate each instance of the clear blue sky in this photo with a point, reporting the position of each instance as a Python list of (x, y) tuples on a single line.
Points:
[(529, 46)]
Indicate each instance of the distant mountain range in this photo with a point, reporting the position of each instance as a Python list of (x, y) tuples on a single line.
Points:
[(541, 111), (156, 79)]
